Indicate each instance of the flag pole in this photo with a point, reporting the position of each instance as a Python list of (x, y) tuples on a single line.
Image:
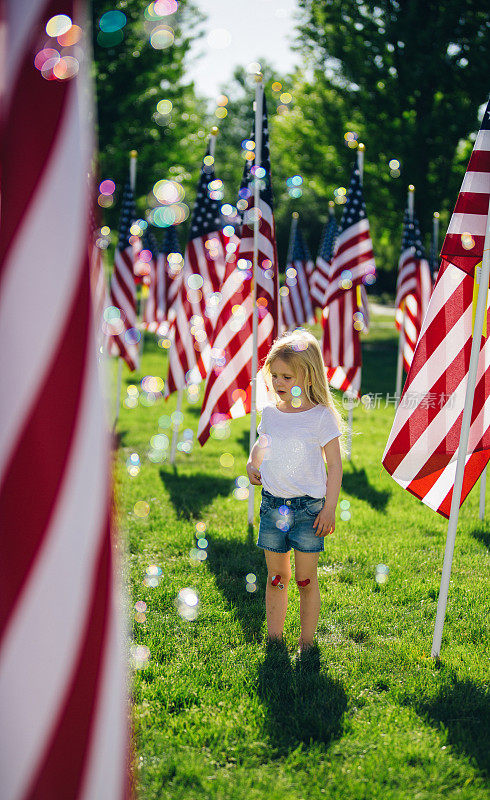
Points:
[(481, 277), (180, 392), (435, 234), (292, 234), (350, 419), (259, 89), (133, 159), (401, 338)]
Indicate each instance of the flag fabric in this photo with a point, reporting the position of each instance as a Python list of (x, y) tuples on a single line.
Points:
[(422, 449), (169, 277), (123, 288), (196, 304), (414, 286), (152, 313), (342, 321), (353, 260), (228, 388), (320, 275), (63, 694), (296, 306), (465, 237)]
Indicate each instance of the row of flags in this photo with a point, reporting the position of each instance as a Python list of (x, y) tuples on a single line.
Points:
[(210, 318)]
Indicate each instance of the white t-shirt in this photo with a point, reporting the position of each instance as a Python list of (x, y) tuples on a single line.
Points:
[(290, 445)]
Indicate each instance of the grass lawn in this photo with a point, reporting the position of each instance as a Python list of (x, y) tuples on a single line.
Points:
[(218, 716)]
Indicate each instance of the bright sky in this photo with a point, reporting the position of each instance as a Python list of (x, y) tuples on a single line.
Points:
[(241, 32)]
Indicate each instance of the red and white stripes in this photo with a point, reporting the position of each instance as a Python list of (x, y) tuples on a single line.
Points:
[(341, 344), (296, 304), (422, 449), (62, 678), (228, 391), (465, 237)]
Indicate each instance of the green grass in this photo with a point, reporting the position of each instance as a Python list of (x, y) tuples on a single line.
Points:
[(218, 716)]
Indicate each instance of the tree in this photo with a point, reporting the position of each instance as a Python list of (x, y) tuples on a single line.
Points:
[(131, 77), (411, 72)]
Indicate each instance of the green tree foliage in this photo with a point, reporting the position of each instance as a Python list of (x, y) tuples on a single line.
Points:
[(131, 78), (410, 72)]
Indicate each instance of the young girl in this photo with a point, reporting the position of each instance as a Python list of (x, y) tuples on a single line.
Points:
[(298, 504)]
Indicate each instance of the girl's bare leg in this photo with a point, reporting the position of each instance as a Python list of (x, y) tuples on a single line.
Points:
[(309, 595), (276, 593)]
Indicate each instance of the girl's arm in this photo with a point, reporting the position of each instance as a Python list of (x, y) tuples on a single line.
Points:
[(325, 521), (253, 464)]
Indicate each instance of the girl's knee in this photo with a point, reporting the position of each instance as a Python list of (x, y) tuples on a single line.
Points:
[(279, 579), (305, 582)]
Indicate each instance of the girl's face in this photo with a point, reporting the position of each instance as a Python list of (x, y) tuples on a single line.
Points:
[(283, 379)]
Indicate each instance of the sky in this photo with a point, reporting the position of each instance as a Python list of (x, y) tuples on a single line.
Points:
[(239, 33)]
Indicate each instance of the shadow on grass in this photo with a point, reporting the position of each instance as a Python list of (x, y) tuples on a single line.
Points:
[(356, 482), (462, 708), (482, 533), (230, 562), (189, 494), (303, 704)]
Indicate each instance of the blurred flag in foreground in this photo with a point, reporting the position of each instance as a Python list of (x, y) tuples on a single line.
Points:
[(63, 694), (422, 448)]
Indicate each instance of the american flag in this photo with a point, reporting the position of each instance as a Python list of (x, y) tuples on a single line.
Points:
[(422, 449), (169, 276), (342, 322), (414, 286), (153, 305), (353, 259), (63, 701), (123, 287), (228, 388), (320, 276), (196, 304), (296, 304)]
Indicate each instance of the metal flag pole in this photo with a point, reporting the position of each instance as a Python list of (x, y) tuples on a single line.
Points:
[(133, 160), (350, 418), (292, 234), (435, 235), (180, 392), (481, 277), (259, 93), (401, 338)]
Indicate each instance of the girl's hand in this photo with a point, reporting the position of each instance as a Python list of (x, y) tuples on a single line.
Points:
[(325, 521), (254, 475)]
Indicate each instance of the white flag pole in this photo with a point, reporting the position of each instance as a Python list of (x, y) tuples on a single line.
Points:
[(435, 233), (180, 392), (350, 418), (401, 338), (481, 276), (259, 91), (292, 234), (133, 160)]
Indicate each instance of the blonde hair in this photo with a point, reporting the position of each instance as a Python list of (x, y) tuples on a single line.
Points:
[(301, 351)]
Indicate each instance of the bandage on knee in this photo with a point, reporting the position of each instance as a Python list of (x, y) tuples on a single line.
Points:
[(276, 581), (303, 583)]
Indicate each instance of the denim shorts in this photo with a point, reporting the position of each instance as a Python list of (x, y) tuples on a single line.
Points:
[(287, 522)]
